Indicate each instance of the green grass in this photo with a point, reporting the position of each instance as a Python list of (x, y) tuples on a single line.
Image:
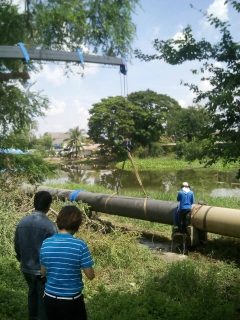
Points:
[(134, 282), (13, 290), (167, 163)]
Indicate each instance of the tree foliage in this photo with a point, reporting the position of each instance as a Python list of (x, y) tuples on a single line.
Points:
[(46, 141), (18, 107), (155, 110), (187, 123), (140, 117), (75, 140), (103, 26), (222, 102), (111, 121)]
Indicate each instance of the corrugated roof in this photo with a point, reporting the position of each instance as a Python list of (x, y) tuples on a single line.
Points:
[(59, 137), (92, 147)]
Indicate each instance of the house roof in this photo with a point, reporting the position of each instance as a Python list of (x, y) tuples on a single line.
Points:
[(59, 137), (92, 147)]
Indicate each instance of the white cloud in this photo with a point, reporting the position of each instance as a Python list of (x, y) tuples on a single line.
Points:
[(91, 68), (217, 64), (83, 114), (52, 74), (57, 127), (178, 36), (218, 9), (182, 103), (156, 31), (205, 86), (55, 75), (56, 107), (20, 3), (188, 100)]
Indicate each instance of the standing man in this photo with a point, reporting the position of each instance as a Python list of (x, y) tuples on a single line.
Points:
[(31, 231), (186, 198)]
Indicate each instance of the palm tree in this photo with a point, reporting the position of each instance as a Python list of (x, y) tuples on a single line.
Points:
[(75, 140)]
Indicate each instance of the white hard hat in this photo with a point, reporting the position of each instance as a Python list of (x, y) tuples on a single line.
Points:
[(185, 184)]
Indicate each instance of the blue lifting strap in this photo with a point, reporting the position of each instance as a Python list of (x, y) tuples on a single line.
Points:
[(24, 51), (79, 52), (74, 194), (124, 66)]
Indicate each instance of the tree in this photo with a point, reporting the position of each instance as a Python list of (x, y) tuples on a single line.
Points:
[(150, 124), (222, 100), (46, 141), (187, 123), (18, 103), (140, 117), (31, 168), (75, 140), (103, 26), (111, 121)]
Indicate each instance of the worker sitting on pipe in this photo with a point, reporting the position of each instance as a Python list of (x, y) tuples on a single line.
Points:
[(186, 198)]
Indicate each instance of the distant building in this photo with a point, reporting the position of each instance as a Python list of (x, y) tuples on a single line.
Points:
[(58, 138), (87, 150)]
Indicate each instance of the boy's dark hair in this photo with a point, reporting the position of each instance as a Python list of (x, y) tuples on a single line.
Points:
[(69, 218), (42, 200)]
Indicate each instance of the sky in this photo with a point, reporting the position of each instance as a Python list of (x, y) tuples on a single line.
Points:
[(71, 97)]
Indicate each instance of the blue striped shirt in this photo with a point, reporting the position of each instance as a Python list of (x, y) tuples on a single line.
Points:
[(63, 256)]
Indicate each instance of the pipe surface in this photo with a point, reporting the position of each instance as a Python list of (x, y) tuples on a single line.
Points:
[(137, 208), (217, 220), (223, 221)]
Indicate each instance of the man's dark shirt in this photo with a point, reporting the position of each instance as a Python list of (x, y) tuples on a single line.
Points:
[(31, 231)]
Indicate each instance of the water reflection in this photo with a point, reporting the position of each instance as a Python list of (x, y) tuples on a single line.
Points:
[(201, 180)]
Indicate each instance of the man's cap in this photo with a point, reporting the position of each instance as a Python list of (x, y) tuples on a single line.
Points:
[(185, 184)]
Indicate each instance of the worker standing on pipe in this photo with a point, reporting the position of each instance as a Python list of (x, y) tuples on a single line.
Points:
[(186, 198)]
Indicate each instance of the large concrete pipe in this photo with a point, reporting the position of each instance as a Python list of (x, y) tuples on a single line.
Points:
[(137, 208), (217, 220)]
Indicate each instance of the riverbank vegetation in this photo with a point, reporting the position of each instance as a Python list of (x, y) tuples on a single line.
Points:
[(132, 281), (171, 163)]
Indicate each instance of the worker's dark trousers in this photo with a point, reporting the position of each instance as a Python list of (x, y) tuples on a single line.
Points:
[(184, 220), (36, 288)]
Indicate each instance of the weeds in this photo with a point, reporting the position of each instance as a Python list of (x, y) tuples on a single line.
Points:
[(131, 283)]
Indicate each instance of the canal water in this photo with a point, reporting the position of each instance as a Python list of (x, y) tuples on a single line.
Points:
[(202, 180)]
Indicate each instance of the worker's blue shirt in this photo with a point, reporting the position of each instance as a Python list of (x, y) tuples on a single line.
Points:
[(186, 199), (63, 257), (30, 233)]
